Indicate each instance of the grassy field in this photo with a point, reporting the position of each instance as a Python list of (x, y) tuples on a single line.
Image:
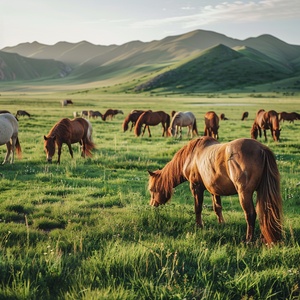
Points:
[(84, 229)]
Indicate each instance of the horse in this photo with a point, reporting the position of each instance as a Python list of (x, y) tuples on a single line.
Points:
[(132, 117), (183, 119), (244, 115), (211, 127), (265, 120), (9, 129), (111, 113), (222, 117), (84, 114), (95, 114), (291, 117), (68, 131), (152, 118), (241, 166), (22, 113), (66, 102)]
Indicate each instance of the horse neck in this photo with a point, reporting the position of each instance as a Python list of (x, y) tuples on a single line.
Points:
[(174, 122), (138, 125)]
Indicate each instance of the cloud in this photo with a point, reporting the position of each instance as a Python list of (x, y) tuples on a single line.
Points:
[(234, 12)]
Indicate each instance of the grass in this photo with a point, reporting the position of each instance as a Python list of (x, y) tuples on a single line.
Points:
[(84, 229)]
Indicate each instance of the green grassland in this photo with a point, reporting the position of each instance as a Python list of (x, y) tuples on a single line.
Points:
[(84, 229)]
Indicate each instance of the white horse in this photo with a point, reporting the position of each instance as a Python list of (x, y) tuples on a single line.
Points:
[(183, 119), (9, 129)]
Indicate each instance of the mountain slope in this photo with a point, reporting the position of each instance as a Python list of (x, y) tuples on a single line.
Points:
[(16, 67), (216, 68), (202, 60)]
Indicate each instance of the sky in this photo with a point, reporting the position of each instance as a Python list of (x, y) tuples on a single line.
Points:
[(106, 22)]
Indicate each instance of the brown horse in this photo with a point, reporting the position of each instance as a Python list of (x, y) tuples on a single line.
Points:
[(222, 117), (238, 167), (110, 113), (266, 120), (152, 118), (245, 115), (68, 131), (291, 117), (22, 113), (132, 117), (211, 128)]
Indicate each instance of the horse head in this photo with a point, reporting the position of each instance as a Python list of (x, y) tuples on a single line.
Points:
[(276, 134), (49, 147), (158, 197)]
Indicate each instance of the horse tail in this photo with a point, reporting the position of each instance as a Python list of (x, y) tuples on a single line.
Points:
[(269, 201), (138, 125), (168, 121), (18, 148), (89, 144), (195, 127)]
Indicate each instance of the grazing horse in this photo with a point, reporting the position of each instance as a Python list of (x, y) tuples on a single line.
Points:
[(291, 117), (211, 127), (241, 167), (66, 102), (222, 117), (265, 120), (94, 114), (22, 113), (9, 129), (183, 119), (245, 115), (68, 131), (111, 113), (132, 117), (152, 118)]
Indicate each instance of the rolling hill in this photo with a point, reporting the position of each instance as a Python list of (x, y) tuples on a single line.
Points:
[(195, 61)]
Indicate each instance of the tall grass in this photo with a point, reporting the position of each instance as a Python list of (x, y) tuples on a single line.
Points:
[(84, 229)]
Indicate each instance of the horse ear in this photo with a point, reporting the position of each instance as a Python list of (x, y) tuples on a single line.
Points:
[(151, 173), (45, 138)]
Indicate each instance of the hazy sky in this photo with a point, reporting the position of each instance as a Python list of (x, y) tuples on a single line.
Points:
[(105, 22)]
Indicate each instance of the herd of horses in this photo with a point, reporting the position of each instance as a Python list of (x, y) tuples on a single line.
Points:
[(242, 166)]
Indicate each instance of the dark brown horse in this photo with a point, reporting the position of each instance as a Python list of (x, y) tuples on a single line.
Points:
[(68, 131), (110, 113), (94, 114), (132, 117), (265, 120), (152, 118), (291, 117), (245, 115), (211, 127), (222, 117), (22, 113), (241, 167)]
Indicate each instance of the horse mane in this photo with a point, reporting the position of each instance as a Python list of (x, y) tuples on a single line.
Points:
[(172, 173), (61, 126), (176, 116), (125, 123)]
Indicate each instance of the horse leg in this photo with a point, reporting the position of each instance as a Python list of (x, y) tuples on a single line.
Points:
[(249, 212), (217, 206), (197, 192), (149, 132), (265, 134), (8, 152)]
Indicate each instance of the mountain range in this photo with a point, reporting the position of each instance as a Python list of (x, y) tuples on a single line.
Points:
[(198, 61)]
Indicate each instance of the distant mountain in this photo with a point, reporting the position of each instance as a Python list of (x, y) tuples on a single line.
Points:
[(196, 61), (16, 67)]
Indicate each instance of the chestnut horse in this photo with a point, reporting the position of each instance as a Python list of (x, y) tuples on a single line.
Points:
[(68, 132), (266, 120), (245, 115), (111, 113), (152, 118), (238, 167), (9, 129), (132, 117), (183, 119), (291, 117), (211, 127)]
